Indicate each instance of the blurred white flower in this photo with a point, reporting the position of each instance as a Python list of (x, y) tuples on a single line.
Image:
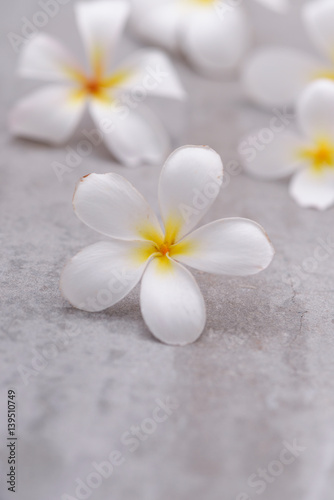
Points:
[(212, 34), (276, 76), (309, 156), (51, 114), (171, 302)]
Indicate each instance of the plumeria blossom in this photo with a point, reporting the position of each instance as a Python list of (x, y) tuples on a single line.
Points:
[(276, 76), (212, 34), (171, 302), (309, 156), (51, 114)]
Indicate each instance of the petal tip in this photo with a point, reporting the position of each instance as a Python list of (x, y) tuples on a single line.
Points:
[(84, 177), (176, 343)]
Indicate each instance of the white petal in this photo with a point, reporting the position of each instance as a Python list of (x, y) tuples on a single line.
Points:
[(237, 247), (101, 23), (213, 42), (189, 184), (275, 157), (102, 274), (315, 110), (319, 20), (276, 76), (158, 21), (45, 58), (109, 204), (171, 302), (50, 114), (313, 189), (151, 73), (278, 5), (134, 137)]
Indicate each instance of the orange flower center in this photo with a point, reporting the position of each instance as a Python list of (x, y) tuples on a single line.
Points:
[(92, 86), (164, 249), (98, 85)]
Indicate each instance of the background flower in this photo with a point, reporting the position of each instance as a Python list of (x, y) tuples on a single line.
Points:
[(213, 35), (275, 76), (309, 156), (51, 114)]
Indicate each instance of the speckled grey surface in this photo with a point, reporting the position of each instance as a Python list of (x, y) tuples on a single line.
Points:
[(260, 378)]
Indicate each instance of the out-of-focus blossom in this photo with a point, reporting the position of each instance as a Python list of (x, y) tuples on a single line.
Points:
[(276, 76), (308, 156), (213, 35), (51, 114), (171, 302)]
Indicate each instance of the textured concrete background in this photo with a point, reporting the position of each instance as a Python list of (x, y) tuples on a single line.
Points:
[(260, 376)]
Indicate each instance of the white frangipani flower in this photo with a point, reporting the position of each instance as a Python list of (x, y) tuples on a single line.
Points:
[(309, 156), (171, 302), (51, 114), (212, 34), (276, 76)]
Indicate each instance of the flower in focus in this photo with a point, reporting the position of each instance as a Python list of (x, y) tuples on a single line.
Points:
[(213, 35), (276, 76), (52, 114), (309, 156), (171, 302)]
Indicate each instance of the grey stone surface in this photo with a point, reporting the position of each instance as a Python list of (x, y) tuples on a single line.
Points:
[(261, 375)]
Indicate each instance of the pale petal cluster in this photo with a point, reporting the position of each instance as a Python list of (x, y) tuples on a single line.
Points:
[(275, 76), (139, 249), (213, 35), (308, 155), (51, 114)]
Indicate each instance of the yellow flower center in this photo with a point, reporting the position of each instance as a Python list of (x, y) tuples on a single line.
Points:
[(100, 83), (320, 156), (327, 74), (161, 246)]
